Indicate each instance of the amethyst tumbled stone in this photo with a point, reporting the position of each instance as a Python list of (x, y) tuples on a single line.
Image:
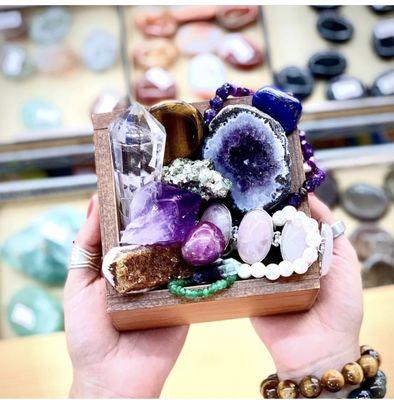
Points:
[(204, 244), (161, 214), (279, 105), (250, 148)]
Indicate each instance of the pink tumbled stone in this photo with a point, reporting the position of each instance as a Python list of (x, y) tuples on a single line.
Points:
[(328, 240), (293, 243), (255, 236), (219, 215), (204, 244)]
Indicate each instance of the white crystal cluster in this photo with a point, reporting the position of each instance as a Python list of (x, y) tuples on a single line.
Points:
[(197, 176)]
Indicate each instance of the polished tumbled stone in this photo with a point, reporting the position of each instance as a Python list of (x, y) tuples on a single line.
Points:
[(279, 105)]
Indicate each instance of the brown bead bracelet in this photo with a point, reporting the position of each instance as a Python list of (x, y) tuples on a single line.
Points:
[(353, 373)]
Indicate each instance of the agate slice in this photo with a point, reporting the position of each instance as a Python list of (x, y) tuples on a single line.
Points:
[(134, 269), (250, 148), (255, 236)]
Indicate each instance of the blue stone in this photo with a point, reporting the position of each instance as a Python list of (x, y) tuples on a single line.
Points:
[(279, 105)]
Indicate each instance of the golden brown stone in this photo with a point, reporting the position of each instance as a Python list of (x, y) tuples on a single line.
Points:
[(184, 128), (370, 351), (288, 390), (369, 364), (268, 387), (310, 387), (148, 267), (353, 373), (333, 380)]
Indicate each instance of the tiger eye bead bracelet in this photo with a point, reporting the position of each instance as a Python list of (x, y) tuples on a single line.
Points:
[(364, 373)]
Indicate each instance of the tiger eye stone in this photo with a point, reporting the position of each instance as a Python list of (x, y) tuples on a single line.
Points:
[(288, 390), (333, 380), (310, 387), (372, 353), (369, 364), (353, 373), (184, 128), (268, 387)]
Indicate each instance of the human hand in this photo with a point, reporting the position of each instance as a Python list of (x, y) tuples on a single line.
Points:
[(108, 363), (326, 336)]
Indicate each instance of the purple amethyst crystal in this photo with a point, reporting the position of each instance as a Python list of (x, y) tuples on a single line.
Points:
[(161, 214), (250, 148)]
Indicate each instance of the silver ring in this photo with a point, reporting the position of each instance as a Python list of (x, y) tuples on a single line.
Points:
[(338, 228), (81, 258)]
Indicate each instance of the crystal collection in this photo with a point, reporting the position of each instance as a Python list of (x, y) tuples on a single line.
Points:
[(209, 204)]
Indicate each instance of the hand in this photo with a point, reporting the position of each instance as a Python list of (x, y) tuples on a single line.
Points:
[(108, 363), (327, 336)]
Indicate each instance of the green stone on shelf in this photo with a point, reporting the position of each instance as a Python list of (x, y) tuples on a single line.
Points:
[(33, 311)]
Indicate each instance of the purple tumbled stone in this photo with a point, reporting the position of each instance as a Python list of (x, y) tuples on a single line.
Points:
[(251, 149), (204, 244), (161, 214)]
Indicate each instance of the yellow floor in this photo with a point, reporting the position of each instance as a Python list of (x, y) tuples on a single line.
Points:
[(222, 359)]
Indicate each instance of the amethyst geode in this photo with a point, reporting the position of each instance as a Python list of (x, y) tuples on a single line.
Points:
[(250, 148), (161, 214)]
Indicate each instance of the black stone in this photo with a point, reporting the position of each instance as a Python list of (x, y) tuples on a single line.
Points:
[(345, 88), (298, 81), (382, 9), (334, 27), (359, 394), (327, 64), (384, 84), (376, 386), (327, 7), (365, 202), (328, 191), (383, 38)]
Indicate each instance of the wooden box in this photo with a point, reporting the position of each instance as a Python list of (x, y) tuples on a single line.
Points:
[(159, 308)]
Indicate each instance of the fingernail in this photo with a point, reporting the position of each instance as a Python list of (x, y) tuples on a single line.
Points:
[(90, 208)]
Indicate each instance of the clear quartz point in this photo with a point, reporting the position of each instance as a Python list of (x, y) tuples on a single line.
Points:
[(137, 143)]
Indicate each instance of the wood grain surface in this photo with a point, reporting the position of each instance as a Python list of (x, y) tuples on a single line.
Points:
[(159, 307)]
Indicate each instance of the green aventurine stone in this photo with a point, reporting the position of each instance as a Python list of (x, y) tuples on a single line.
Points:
[(42, 249), (32, 311)]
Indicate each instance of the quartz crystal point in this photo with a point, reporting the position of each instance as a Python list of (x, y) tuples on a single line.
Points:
[(250, 148), (138, 142), (161, 214), (197, 176)]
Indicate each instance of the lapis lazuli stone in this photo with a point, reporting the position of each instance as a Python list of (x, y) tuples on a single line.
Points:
[(279, 105)]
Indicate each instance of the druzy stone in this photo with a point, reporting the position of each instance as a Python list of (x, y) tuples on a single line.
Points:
[(279, 105), (255, 236), (219, 215), (204, 244), (161, 214), (250, 148), (137, 142), (32, 310), (328, 246)]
